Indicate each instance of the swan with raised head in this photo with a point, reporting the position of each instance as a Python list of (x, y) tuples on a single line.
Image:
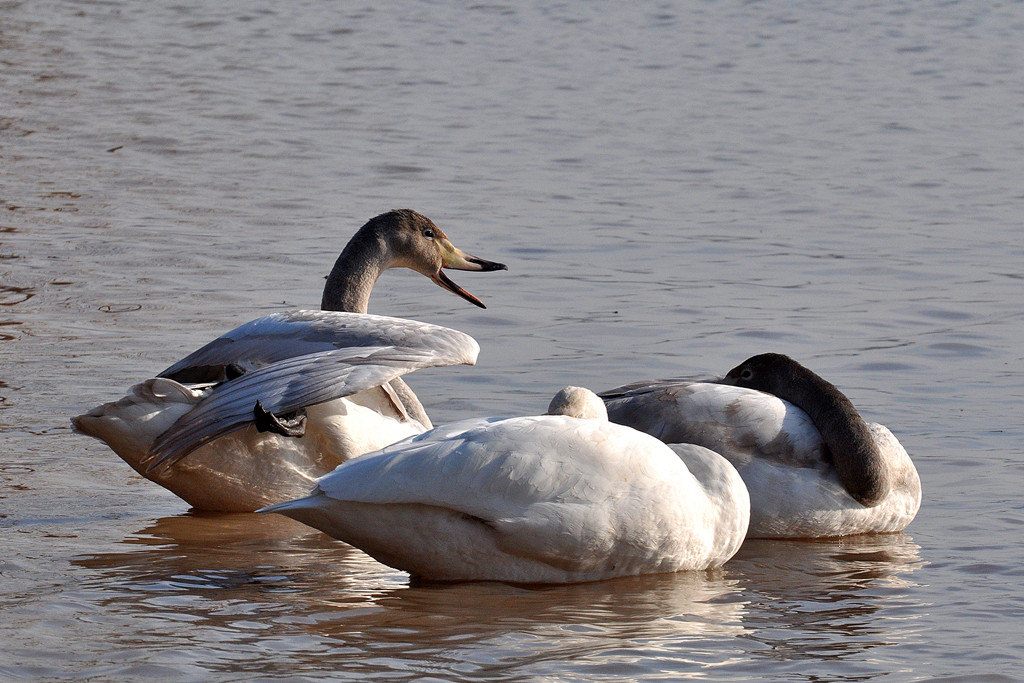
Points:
[(812, 465), (243, 457), (550, 498)]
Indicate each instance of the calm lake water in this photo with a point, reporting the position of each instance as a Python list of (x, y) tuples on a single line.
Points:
[(675, 187)]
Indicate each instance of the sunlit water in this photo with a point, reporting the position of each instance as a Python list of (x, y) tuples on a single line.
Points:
[(674, 188)]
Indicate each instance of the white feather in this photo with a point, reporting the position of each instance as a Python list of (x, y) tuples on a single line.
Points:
[(794, 489), (532, 499), (230, 466)]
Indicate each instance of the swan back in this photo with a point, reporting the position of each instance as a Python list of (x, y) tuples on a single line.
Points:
[(737, 422), (779, 449), (546, 498)]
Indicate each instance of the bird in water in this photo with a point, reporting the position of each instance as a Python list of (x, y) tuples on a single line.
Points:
[(331, 377), (812, 465), (557, 498)]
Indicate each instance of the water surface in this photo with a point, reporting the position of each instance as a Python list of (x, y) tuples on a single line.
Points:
[(675, 187)]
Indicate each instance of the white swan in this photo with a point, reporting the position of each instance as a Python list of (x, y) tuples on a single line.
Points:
[(812, 465), (246, 468), (541, 499)]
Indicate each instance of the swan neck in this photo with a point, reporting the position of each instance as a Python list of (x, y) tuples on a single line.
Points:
[(351, 281), (855, 454)]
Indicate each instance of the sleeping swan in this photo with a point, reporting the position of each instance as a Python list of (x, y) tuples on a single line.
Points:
[(812, 465), (237, 467), (543, 499)]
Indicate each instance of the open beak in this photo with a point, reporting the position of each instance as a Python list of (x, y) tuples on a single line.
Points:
[(456, 259)]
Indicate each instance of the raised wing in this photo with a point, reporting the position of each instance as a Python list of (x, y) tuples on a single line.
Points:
[(276, 337), (312, 378)]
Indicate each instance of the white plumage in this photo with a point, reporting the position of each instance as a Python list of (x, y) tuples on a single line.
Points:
[(547, 498), (342, 369), (200, 443), (795, 490)]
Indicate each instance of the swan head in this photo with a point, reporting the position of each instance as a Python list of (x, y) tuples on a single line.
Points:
[(860, 464), (578, 402), (772, 373), (415, 242)]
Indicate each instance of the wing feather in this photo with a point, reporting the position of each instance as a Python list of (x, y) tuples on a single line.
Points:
[(348, 365), (276, 337)]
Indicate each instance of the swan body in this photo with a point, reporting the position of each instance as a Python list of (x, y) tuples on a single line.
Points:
[(200, 442), (792, 473), (319, 362), (538, 499)]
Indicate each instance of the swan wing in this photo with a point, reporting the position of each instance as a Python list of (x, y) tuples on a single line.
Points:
[(484, 467), (287, 334), (556, 489), (305, 380), (647, 386), (739, 423)]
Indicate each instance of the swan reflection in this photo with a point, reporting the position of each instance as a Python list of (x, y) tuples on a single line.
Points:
[(221, 584), (828, 598), (238, 575)]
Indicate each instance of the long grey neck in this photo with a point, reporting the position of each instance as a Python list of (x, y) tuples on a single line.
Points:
[(355, 272), (855, 455), (348, 289)]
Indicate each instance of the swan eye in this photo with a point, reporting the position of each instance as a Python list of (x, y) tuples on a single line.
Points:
[(428, 233)]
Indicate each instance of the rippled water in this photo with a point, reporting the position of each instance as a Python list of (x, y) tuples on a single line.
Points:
[(674, 187)]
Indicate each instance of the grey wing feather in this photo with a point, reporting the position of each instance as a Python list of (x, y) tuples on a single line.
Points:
[(648, 386), (276, 337), (305, 380), (665, 409)]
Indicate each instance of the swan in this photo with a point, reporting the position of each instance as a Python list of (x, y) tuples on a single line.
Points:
[(550, 498), (253, 459), (812, 465)]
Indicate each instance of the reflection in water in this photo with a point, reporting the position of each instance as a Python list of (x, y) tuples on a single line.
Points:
[(822, 599), (234, 581), (662, 217), (225, 584), (204, 551)]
